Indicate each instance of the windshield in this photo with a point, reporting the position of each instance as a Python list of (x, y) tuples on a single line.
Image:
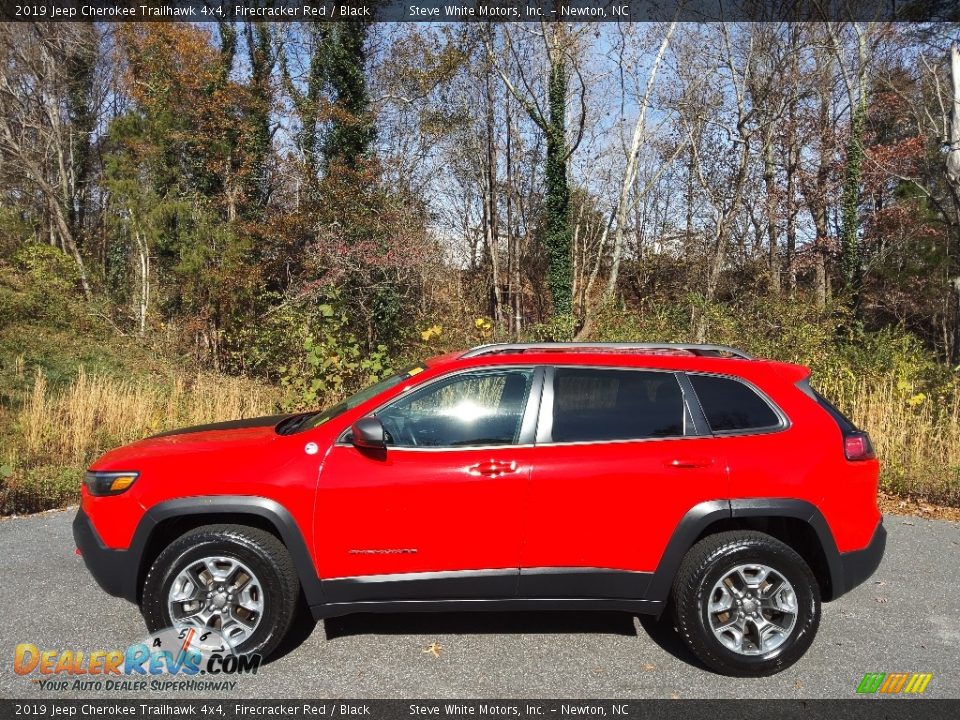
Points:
[(312, 420)]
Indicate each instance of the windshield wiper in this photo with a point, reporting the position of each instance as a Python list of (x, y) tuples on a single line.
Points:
[(290, 425)]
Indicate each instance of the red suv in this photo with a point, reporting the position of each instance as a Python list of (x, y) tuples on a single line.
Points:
[(636, 477)]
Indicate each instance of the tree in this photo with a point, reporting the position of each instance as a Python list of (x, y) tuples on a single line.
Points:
[(560, 45), (851, 261), (351, 133), (46, 92), (304, 86), (952, 164), (639, 136)]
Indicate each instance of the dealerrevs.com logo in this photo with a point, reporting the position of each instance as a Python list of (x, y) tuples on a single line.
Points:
[(170, 660), (894, 683)]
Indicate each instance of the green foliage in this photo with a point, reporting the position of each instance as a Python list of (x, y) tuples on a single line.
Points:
[(42, 286), (28, 490), (351, 131), (14, 230), (557, 235), (333, 363), (831, 342), (559, 328)]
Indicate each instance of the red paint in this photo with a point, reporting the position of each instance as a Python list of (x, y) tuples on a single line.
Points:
[(612, 505)]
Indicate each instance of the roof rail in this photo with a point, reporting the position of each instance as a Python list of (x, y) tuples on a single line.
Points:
[(702, 350)]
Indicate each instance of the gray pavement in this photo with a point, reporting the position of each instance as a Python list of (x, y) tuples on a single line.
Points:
[(904, 619)]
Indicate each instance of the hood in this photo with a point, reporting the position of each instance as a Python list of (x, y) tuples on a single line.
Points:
[(239, 436), (257, 422)]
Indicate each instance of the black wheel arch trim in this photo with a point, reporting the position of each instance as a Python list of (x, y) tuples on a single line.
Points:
[(120, 572), (808, 513), (846, 570), (691, 525)]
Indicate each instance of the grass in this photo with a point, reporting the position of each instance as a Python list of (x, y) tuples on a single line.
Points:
[(57, 432), (917, 437)]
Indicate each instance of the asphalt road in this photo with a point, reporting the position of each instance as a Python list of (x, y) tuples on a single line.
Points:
[(905, 619)]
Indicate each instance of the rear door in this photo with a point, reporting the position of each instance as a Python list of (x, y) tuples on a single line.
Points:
[(618, 463), (438, 515)]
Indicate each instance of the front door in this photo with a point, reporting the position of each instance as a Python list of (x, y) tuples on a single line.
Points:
[(439, 514), (618, 464)]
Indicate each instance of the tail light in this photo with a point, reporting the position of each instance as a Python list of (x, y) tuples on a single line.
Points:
[(857, 446)]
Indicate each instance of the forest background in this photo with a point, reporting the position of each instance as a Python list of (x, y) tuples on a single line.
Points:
[(200, 222)]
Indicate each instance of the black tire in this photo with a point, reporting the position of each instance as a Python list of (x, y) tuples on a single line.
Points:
[(706, 564), (260, 551)]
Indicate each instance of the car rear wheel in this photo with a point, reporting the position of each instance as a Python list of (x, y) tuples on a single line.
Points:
[(746, 604), (238, 581)]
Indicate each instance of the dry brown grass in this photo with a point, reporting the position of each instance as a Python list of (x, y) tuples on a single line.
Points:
[(98, 412), (917, 437), (58, 433)]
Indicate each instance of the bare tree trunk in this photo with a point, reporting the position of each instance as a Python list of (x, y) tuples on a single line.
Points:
[(491, 196), (953, 178), (513, 242), (144, 281), (770, 185), (955, 355), (630, 174), (792, 161), (816, 190)]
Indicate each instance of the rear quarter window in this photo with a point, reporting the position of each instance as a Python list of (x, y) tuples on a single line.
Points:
[(732, 406)]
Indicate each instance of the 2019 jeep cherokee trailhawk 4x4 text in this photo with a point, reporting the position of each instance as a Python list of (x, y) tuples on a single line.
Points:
[(636, 477)]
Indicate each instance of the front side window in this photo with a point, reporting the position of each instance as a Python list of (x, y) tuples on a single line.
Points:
[(732, 406), (475, 408), (594, 405)]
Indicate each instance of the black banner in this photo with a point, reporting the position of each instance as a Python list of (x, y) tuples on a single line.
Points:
[(766, 709), (479, 10)]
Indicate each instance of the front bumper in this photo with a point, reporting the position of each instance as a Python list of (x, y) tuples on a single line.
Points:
[(859, 565), (114, 570)]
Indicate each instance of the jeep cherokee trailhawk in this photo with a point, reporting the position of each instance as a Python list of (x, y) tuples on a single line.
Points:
[(686, 480)]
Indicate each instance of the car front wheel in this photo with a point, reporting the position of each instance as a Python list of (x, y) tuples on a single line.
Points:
[(238, 581), (746, 604)]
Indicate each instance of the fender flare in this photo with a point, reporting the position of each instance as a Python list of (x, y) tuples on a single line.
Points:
[(236, 505), (701, 516)]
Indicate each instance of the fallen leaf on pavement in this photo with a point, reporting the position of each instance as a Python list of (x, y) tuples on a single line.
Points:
[(434, 649)]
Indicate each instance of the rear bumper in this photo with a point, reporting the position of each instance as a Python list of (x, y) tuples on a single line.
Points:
[(114, 570), (859, 565)]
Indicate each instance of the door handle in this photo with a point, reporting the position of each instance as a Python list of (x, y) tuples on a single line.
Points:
[(688, 463), (493, 468)]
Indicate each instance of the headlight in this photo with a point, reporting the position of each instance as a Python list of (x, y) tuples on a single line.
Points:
[(109, 483)]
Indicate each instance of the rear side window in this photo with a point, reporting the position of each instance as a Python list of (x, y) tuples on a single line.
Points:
[(732, 406), (597, 405)]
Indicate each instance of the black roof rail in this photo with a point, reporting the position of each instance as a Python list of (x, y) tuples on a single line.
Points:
[(698, 349)]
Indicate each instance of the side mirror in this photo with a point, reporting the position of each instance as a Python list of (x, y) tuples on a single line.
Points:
[(368, 433)]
